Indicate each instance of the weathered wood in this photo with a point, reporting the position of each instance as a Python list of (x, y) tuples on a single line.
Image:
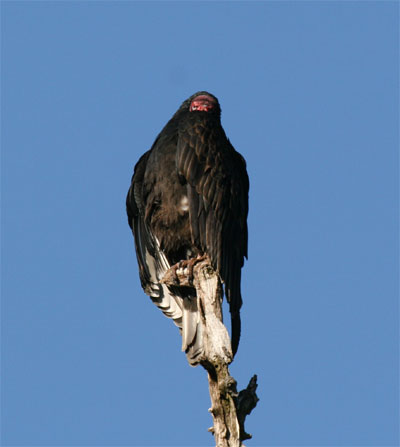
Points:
[(228, 407), (246, 402)]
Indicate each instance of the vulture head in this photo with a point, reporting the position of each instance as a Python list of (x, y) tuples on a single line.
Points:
[(201, 102)]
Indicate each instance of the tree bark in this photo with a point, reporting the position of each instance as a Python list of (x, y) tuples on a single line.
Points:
[(228, 407)]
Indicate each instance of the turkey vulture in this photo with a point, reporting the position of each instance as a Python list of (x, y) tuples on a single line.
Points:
[(189, 198)]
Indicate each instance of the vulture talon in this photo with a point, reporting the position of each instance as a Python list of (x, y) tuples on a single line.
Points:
[(185, 264)]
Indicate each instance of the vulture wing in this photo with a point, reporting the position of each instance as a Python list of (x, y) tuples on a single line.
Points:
[(153, 264), (217, 188)]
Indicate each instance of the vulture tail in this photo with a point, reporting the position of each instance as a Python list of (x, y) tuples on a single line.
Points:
[(192, 340), (184, 313), (172, 301)]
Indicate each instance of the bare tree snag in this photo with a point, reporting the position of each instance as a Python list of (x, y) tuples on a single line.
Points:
[(228, 407)]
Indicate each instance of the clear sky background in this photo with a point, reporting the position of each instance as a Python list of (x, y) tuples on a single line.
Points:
[(309, 95)]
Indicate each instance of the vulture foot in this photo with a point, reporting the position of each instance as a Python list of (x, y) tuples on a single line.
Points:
[(171, 276)]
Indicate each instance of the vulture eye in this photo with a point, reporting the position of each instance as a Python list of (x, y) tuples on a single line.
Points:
[(202, 103)]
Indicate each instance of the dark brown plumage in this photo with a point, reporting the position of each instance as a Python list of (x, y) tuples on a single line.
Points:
[(189, 197)]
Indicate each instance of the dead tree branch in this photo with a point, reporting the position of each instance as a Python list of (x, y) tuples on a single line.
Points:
[(228, 407)]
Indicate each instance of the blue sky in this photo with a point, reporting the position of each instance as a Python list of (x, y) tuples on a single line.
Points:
[(309, 94)]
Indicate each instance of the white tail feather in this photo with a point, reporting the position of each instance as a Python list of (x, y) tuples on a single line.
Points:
[(189, 321), (183, 311)]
